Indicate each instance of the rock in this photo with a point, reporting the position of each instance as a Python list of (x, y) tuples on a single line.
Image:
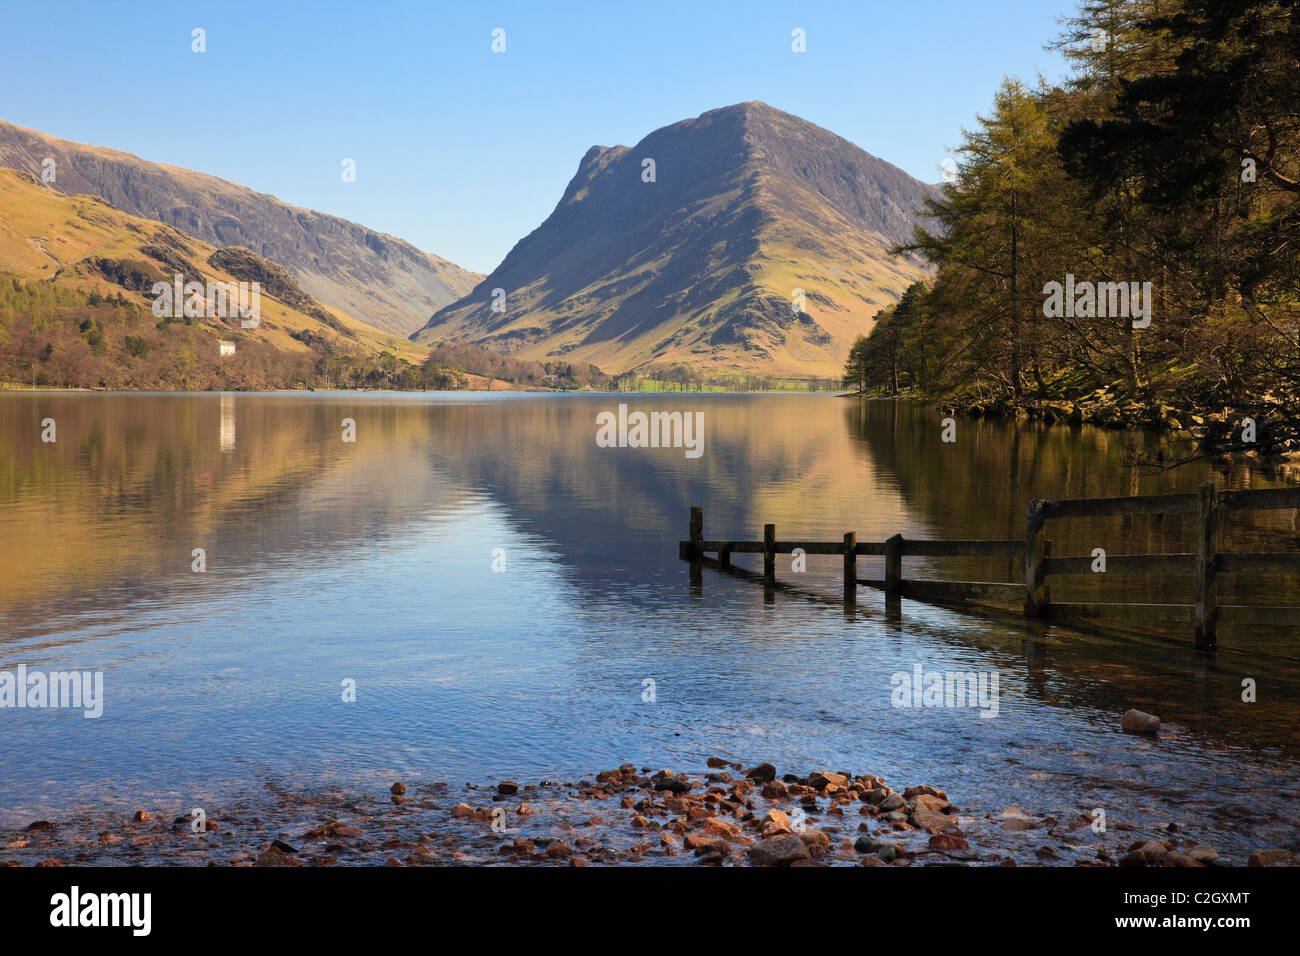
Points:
[(720, 827), (558, 848), (948, 842), (462, 810), (1203, 854), (775, 790), (821, 779), (930, 820), (39, 825), (774, 822), (284, 847), (891, 802), (817, 842), (698, 842), (912, 792), (397, 789), (1269, 857), (507, 788), (763, 773), (779, 851), (867, 844), (141, 816), (673, 784), (1137, 722), (276, 858), (931, 802), (717, 762)]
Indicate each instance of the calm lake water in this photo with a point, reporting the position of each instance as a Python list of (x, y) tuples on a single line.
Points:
[(373, 561)]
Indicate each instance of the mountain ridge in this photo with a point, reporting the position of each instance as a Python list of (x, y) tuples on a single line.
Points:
[(701, 265), (377, 278)]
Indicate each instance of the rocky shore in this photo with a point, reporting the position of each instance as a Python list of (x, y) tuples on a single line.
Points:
[(726, 815)]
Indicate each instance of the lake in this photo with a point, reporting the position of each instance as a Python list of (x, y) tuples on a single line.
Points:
[(501, 589)]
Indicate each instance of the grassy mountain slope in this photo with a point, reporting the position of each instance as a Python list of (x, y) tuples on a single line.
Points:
[(379, 279), (57, 249), (701, 266)]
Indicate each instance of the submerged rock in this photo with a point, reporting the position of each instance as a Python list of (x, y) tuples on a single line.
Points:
[(1138, 722)]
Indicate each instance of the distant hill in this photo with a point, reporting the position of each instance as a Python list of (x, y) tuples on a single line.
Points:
[(378, 279), (76, 296), (700, 266)]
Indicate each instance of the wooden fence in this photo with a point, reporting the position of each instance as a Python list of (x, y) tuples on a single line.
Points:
[(1205, 563)]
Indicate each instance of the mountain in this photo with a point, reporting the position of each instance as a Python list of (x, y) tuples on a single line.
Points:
[(700, 266), (378, 279), (76, 303)]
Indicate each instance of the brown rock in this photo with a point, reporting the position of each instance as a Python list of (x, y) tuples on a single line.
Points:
[(817, 842), (141, 816), (778, 851), (822, 779), (775, 822), (1137, 722), (775, 790), (697, 841), (507, 788), (558, 848), (397, 789), (763, 773), (931, 802), (717, 762), (932, 821), (1269, 857), (462, 810), (948, 842), (276, 858), (720, 827), (913, 792)]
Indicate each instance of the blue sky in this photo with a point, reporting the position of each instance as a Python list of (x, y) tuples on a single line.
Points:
[(463, 151)]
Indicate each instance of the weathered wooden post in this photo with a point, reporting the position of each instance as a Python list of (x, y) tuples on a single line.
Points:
[(769, 555), (894, 566), (1207, 604), (850, 567), (690, 548), (1035, 551)]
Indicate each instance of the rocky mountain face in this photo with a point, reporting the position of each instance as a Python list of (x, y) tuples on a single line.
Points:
[(745, 239), (378, 279)]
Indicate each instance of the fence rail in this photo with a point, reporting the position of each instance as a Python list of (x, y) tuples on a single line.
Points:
[(1035, 551)]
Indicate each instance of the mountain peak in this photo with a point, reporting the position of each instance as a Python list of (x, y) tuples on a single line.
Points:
[(692, 245)]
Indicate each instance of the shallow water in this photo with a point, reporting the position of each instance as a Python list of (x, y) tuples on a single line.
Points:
[(373, 561)]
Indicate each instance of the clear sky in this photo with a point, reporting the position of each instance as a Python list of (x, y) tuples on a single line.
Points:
[(463, 151)]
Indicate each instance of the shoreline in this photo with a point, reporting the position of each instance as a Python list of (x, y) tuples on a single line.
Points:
[(723, 815)]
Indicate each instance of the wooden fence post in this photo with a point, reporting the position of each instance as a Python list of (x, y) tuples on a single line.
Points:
[(769, 555), (1207, 605), (850, 567), (894, 566), (690, 548), (1035, 551)]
